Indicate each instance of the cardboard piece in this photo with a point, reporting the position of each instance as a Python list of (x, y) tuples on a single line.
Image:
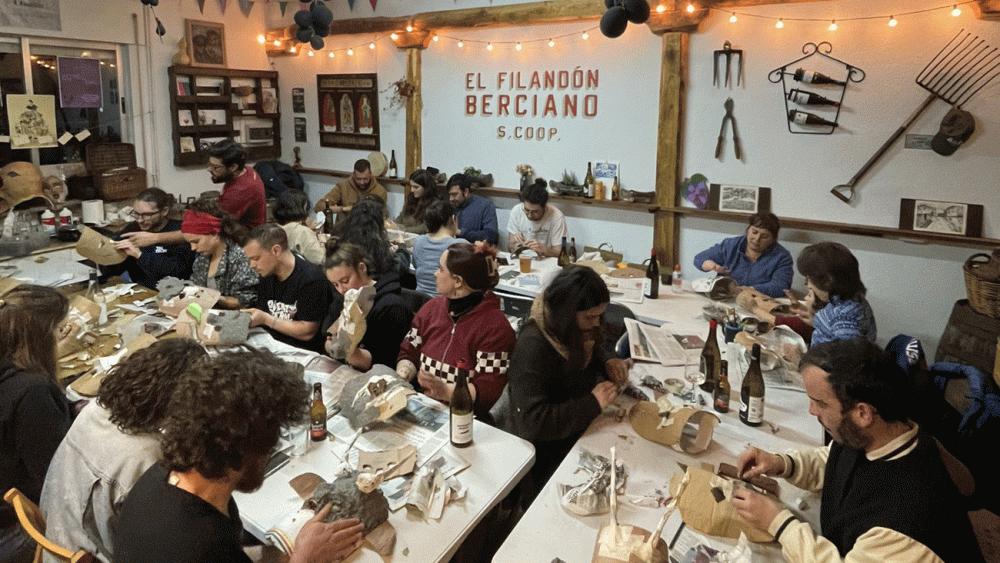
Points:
[(700, 509), (623, 544), (213, 327), (683, 428), (373, 396), (89, 384), (175, 295), (348, 330), (99, 248), (7, 284)]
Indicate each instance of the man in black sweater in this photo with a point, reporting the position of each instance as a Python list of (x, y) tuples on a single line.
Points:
[(886, 494)]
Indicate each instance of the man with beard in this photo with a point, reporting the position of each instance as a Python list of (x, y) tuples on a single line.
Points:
[(344, 195), (560, 376), (886, 494), (476, 215), (242, 190), (223, 423)]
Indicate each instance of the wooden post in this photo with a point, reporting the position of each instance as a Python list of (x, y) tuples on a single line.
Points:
[(414, 108), (673, 71)]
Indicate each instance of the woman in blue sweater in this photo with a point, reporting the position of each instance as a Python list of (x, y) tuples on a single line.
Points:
[(754, 260), (833, 277)]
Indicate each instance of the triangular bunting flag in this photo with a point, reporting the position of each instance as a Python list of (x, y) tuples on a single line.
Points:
[(222, 5), (351, 4), (283, 6), (245, 7), (201, 6), (374, 3)]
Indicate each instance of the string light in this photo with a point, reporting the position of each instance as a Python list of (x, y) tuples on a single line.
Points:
[(331, 54), (732, 18), (489, 46), (833, 25), (409, 28), (311, 54), (892, 21), (293, 50), (660, 8), (371, 45), (690, 8), (779, 24), (436, 38), (517, 47), (393, 36), (552, 43), (956, 11), (277, 43), (261, 39), (585, 36), (460, 43), (350, 52)]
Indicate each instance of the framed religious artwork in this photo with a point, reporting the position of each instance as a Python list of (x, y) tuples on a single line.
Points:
[(206, 43), (944, 217), (348, 111), (738, 199)]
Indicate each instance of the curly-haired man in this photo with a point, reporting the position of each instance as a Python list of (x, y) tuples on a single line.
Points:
[(223, 422), (111, 444)]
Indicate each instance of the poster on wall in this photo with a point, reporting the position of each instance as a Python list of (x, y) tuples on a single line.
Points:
[(299, 100), (348, 111), (32, 121), (37, 14), (79, 82), (300, 129)]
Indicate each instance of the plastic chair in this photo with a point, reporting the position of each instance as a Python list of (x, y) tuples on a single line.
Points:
[(414, 299), (33, 522)]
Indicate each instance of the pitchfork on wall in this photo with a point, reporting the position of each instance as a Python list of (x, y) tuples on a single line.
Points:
[(956, 74)]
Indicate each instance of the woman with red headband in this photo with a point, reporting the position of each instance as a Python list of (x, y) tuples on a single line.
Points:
[(218, 239)]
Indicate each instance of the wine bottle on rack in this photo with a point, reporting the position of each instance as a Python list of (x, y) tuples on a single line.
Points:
[(806, 118), (317, 415), (710, 358), (461, 408), (722, 389), (807, 98), (653, 276), (813, 77), (752, 392), (393, 170)]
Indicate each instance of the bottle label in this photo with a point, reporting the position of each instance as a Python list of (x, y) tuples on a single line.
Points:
[(461, 428), (753, 409), (646, 284), (317, 429), (809, 76), (800, 98), (801, 117)]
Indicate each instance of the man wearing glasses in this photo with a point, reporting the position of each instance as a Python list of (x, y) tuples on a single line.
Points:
[(242, 189), (153, 242)]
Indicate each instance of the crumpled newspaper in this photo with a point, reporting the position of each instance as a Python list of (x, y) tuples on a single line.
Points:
[(592, 496)]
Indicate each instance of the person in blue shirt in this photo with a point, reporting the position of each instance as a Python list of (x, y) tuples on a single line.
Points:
[(833, 277), (755, 259), (477, 217)]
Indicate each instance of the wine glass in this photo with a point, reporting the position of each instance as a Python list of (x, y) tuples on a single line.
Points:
[(694, 376)]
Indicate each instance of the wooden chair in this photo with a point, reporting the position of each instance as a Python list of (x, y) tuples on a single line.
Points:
[(32, 521)]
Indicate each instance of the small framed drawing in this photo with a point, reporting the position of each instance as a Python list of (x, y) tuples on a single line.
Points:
[(206, 43), (268, 101), (945, 217), (739, 199)]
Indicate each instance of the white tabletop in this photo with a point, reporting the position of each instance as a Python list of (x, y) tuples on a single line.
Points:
[(53, 268)]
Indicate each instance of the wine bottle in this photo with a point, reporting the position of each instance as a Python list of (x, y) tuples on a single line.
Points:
[(572, 250), (677, 280), (317, 415), (588, 182), (813, 77), (806, 118), (752, 392), (653, 276), (616, 190), (722, 389), (805, 98), (563, 259), (710, 358), (461, 408), (393, 171)]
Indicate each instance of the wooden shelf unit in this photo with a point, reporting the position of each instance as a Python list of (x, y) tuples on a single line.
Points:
[(238, 120)]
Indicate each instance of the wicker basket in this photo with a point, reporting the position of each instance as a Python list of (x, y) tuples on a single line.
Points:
[(115, 174), (981, 283)]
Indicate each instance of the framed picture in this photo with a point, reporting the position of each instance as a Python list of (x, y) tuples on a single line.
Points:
[(606, 171), (268, 100), (738, 199), (945, 217), (348, 111), (206, 43)]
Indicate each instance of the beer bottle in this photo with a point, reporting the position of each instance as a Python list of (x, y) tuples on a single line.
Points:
[(461, 408), (721, 403), (563, 259), (317, 415), (710, 358), (572, 250), (752, 393), (653, 276), (616, 190)]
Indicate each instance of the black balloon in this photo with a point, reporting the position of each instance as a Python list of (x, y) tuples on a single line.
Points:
[(303, 18), (609, 3), (160, 30), (614, 22), (637, 10), (304, 35), (322, 15), (321, 30), (316, 42)]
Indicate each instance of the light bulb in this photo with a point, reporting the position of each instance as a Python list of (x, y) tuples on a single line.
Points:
[(277, 43), (293, 50), (331, 54), (690, 8), (892, 21), (552, 43), (660, 8), (409, 28), (517, 47), (394, 36), (436, 37), (585, 36), (261, 39), (732, 18), (780, 24), (833, 25), (489, 46), (956, 11), (460, 43), (311, 54), (371, 45), (350, 52)]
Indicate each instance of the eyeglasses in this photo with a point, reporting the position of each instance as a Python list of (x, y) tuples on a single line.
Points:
[(216, 166), (135, 215)]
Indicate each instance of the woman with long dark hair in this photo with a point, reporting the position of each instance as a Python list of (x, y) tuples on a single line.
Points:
[(221, 264), (834, 279), (423, 192)]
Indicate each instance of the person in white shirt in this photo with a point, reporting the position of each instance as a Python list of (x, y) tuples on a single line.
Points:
[(534, 224)]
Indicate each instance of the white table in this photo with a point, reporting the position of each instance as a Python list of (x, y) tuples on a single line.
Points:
[(52, 268), (497, 462)]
